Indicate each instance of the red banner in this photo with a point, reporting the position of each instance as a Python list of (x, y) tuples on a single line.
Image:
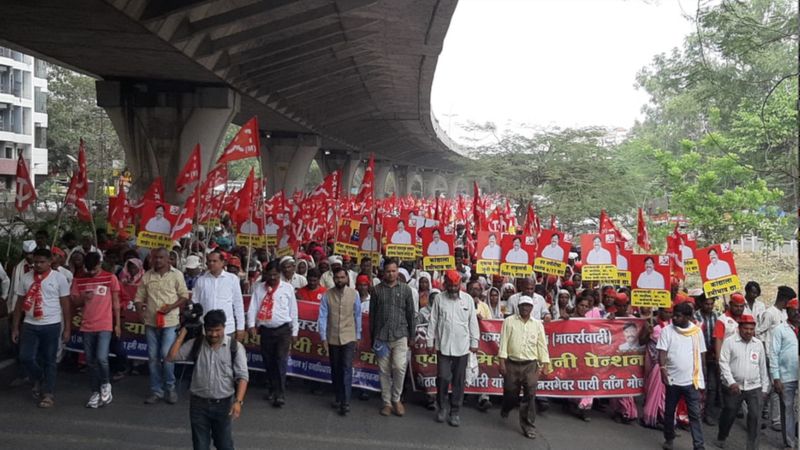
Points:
[(589, 358)]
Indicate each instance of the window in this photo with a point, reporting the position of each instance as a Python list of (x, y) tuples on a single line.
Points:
[(9, 153), (40, 137), (39, 68), (39, 100)]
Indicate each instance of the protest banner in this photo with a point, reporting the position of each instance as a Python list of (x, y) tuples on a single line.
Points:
[(688, 249), (599, 253), (589, 358), (718, 270), (553, 253), (437, 248), (518, 252), (490, 252), (157, 220), (348, 237), (400, 240), (370, 242), (650, 275), (271, 230)]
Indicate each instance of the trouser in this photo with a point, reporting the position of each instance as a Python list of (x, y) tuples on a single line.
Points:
[(524, 375), (393, 370), (712, 394), (451, 370), (38, 351), (275, 343), (162, 373), (788, 413), (95, 348), (730, 406), (692, 398), (341, 357), (210, 419), (119, 362)]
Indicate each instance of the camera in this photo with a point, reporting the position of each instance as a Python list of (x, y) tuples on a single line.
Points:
[(192, 317)]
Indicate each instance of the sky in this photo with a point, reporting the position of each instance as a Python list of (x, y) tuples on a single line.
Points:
[(545, 63)]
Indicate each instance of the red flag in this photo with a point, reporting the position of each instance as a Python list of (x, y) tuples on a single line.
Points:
[(674, 253), (553, 222), (643, 238), (367, 193), (244, 199), (328, 189), (119, 210), (245, 144), (79, 187), (26, 194), (478, 209), (183, 224), (156, 191), (607, 226), (533, 227), (190, 172)]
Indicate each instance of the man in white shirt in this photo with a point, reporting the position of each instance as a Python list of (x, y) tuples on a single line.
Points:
[(158, 223), (491, 251), (517, 255), (650, 279), (220, 289), (43, 300), (453, 332), (289, 274), (401, 236), (743, 369), (598, 255), (249, 227), (23, 267), (271, 228), (438, 247), (540, 310), (716, 268), (553, 251), (680, 353), (369, 243), (273, 309)]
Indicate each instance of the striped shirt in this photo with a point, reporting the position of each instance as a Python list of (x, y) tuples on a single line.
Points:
[(391, 312), (744, 363), (707, 323)]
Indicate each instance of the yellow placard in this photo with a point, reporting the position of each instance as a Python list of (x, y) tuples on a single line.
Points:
[(722, 286), (549, 266), (690, 266), (111, 230), (600, 272), (439, 262), (345, 249), (516, 270), (250, 240), (284, 251), (624, 277), (419, 249), (488, 266), (149, 239), (375, 257), (210, 224), (651, 298), (272, 240), (402, 251)]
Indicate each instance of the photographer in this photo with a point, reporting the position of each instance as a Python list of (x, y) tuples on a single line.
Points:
[(219, 383)]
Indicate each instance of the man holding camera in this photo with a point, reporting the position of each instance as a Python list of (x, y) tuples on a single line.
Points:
[(218, 289), (219, 381), (159, 298)]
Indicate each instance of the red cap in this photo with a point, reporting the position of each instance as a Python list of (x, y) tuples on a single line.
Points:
[(793, 303), (737, 299), (497, 278), (346, 258), (58, 251), (682, 298), (569, 283), (747, 318), (362, 279), (609, 290), (552, 279), (577, 266), (453, 276), (622, 299), (235, 262)]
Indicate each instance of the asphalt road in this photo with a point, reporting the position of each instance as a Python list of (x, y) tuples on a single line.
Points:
[(307, 421)]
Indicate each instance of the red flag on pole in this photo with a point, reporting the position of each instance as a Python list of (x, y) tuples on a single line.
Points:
[(328, 189), (119, 210), (79, 187), (183, 224), (553, 222), (478, 208), (26, 194), (674, 252), (533, 227), (367, 192), (642, 238), (156, 191), (245, 144), (191, 170), (244, 199)]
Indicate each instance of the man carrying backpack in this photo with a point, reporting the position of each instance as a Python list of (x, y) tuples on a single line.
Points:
[(219, 382)]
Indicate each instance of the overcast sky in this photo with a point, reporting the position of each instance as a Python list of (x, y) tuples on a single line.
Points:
[(560, 63)]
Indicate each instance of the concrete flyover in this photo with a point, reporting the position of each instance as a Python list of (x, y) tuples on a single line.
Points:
[(352, 77)]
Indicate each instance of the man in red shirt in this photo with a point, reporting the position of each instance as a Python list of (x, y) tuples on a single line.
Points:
[(97, 292), (313, 291)]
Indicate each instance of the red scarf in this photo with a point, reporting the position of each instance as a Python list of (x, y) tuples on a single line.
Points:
[(265, 311), (34, 299)]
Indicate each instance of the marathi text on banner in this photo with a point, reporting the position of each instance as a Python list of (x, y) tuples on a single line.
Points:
[(149, 239), (439, 262), (549, 266), (722, 286), (250, 240), (651, 298), (402, 251), (345, 249), (691, 266), (601, 272), (624, 277), (488, 267), (516, 270)]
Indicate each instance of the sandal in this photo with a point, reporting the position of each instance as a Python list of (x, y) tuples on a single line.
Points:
[(47, 401)]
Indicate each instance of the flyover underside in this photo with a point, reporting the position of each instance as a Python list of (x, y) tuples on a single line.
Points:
[(357, 73)]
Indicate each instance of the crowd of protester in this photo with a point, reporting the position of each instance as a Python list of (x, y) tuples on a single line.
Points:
[(705, 357)]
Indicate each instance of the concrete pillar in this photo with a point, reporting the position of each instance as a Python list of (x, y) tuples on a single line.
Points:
[(160, 122), (286, 162), (433, 184), (412, 182), (457, 186), (382, 171)]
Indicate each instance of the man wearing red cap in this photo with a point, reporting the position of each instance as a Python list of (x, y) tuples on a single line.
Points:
[(783, 367), (453, 331), (728, 323), (743, 366)]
